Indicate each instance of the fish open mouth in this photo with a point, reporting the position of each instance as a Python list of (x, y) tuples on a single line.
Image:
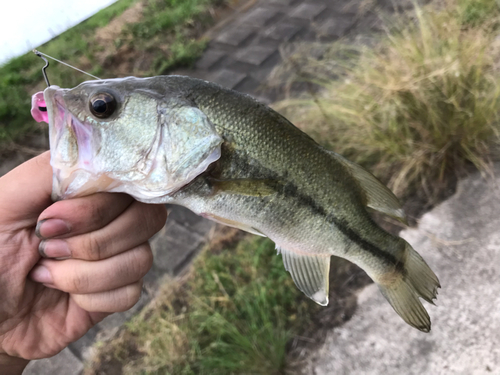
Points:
[(71, 147)]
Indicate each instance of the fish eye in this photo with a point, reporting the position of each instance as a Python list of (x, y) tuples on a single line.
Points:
[(102, 105)]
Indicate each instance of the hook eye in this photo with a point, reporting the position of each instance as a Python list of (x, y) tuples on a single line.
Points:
[(45, 67)]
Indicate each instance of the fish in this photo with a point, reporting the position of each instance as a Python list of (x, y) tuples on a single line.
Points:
[(233, 160)]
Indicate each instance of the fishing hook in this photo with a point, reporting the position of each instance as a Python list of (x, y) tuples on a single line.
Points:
[(45, 67), (41, 54)]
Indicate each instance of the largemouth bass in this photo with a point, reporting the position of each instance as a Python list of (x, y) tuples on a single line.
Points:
[(173, 139)]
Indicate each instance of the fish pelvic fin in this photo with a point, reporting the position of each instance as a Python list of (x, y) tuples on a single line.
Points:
[(309, 272), (404, 290), (377, 195)]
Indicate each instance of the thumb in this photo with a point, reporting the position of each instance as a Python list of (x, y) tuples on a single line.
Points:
[(25, 192)]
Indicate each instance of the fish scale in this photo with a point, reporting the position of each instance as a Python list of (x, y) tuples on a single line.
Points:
[(233, 160)]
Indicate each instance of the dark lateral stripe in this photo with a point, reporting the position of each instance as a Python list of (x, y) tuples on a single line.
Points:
[(292, 191), (365, 245)]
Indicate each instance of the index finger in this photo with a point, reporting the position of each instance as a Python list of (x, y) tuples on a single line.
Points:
[(25, 192), (81, 215)]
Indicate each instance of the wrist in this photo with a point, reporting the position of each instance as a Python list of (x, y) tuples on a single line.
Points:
[(12, 365)]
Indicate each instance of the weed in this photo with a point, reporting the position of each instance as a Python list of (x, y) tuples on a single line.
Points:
[(420, 104), (234, 314), (477, 12)]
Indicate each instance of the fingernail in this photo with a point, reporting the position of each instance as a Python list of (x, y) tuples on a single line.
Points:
[(54, 249), (41, 274), (49, 228)]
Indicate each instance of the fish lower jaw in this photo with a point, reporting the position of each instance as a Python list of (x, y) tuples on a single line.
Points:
[(79, 182)]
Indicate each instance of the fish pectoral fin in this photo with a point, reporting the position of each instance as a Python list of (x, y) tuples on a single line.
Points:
[(245, 186), (232, 223), (378, 196), (309, 272)]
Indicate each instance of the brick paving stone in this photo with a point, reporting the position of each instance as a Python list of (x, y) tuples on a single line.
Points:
[(255, 54), (190, 220), (63, 363), (308, 11), (325, 14), (80, 347), (112, 322), (228, 78), (235, 35), (400, 5), (372, 23), (283, 31), (173, 245), (266, 67), (269, 42), (259, 17), (306, 35), (182, 215), (347, 8), (247, 86), (202, 227), (282, 3), (335, 27), (209, 59)]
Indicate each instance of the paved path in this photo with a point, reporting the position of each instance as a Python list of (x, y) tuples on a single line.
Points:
[(460, 239), (243, 51)]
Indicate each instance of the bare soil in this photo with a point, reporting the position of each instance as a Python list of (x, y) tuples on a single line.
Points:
[(120, 51)]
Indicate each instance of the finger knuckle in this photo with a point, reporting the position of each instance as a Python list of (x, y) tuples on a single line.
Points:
[(160, 217), (76, 207), (94, 247), (143, 260), (98, 211), (132, 295), (153, 217), (79, 283)]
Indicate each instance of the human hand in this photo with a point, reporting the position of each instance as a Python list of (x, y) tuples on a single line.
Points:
[(45, 303)]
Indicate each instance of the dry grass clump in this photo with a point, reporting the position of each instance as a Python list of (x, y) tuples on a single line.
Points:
[(420, 104)]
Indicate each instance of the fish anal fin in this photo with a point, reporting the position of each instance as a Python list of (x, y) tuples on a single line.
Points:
[(310, 273), (232, 223), (245, 186), (378, 196)]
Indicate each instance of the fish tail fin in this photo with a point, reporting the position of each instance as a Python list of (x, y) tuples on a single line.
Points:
[(421, 276), (403, 292)]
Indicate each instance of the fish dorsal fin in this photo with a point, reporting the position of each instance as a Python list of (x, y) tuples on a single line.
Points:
[(309, 272), (378, 196)]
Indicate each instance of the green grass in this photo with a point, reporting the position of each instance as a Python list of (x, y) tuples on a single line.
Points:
[(419, 106), (166, 36), (166, 33), (477, 12), (158, 17), (235, 314), (21, 76)]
